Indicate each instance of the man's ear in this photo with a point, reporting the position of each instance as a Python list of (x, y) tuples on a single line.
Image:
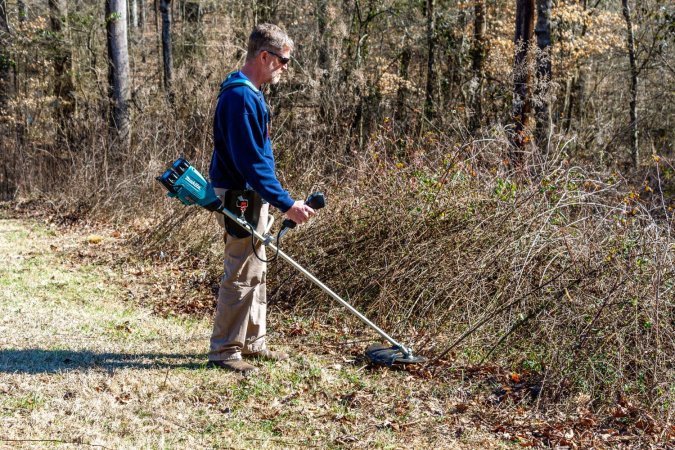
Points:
[(263, 55)]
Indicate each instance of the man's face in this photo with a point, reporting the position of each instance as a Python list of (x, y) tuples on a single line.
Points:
[(274, 64)]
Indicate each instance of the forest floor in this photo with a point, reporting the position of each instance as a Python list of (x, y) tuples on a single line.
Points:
[(89, 357)]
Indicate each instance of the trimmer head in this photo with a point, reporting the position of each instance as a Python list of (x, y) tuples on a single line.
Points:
[(381, 355)]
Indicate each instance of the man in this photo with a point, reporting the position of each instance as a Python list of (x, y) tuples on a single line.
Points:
[(242, 158)]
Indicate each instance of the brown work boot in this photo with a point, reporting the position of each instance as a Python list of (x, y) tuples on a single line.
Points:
[(268, 355), (235, 365)]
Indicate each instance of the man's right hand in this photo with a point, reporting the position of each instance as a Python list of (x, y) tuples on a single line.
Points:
[(299, 212)]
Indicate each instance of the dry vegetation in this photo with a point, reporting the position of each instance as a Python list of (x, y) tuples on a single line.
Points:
[(80, 365), (547, 285)]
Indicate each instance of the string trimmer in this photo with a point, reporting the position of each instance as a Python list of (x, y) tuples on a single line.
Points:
[(186, 184)]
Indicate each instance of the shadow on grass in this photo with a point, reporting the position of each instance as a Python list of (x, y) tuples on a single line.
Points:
[(36, 360)]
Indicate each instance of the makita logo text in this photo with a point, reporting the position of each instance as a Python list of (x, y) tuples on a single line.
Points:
[(193, 183)]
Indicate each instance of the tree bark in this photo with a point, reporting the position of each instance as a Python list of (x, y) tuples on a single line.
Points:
[(633, 84), (63, 70), (6, 83), (400, 114), (431, 75), (4, 23), (141, 14), (7, 184), (133, 13), (544, 71), (521, 75), (165, 9), (478, 51), (118, 71)]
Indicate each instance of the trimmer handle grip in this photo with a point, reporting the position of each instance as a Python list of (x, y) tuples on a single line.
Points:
[(315, 201)]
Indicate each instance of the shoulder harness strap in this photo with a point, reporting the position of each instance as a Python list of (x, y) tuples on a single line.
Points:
[(230, 83)]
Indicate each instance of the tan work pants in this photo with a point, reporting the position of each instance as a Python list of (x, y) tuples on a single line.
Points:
[(239, 325)]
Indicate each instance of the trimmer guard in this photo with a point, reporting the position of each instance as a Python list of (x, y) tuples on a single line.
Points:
[(381, 355)]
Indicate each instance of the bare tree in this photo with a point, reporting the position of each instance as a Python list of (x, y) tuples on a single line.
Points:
[(521, 73), (118, 70), (63, 81), (4, 24), (322, 22), (400, 113), (431, 75), (167, 58), (5, 65), (6, 88), (7, 185), (478, 51), (141, 13), (544, 74), (133, 13), (633, 83)]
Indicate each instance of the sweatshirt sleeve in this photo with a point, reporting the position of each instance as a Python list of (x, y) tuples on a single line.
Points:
[(245, 133)]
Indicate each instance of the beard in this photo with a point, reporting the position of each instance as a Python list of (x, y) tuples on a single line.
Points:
[(276, 78)]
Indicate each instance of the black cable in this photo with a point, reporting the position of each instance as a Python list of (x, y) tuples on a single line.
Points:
[(278, 241)]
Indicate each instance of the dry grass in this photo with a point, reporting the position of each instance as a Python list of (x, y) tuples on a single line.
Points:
[(79, 365), (565, 272)]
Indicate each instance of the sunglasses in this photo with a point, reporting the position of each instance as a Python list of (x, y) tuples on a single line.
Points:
[(282, 59)]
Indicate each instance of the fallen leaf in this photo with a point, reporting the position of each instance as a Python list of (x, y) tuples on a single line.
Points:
[(94, 239)]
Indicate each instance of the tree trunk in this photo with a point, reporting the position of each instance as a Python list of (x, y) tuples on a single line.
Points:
[(322, 22), (4, 23), (477, 59), (118, 71), (521, 75), (141, 14), (431, 78), (133, 13), (633, 84), (402, 90), (165, 9), (7, 184), (324, 62), (6, 83), (544, 74), (63, 70)]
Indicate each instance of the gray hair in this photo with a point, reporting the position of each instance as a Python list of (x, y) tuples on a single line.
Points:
[(267, 36)]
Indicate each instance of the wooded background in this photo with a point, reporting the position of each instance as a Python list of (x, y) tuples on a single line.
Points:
[(500, 173), (598, 72)]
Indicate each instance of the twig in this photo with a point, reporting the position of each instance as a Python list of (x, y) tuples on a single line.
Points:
[(505, 307), (57, 441), (515, 326), (166, 377), (285, 442)]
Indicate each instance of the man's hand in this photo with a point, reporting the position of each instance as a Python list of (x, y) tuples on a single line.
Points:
[(299, 212)]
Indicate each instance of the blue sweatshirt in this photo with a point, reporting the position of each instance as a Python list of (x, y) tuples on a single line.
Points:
[(242, 153)]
